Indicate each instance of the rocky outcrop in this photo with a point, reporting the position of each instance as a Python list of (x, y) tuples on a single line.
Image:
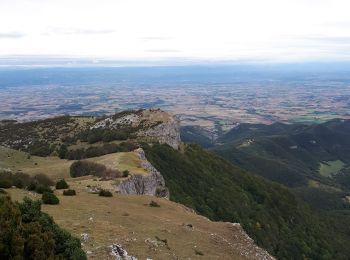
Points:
[(152, 125), (120, 253), (167, 132), (151, 183)]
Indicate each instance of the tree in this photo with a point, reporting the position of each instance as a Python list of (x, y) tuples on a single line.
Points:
[(62, 152)]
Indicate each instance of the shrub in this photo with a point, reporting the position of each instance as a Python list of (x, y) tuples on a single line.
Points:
[(62, 152), (95, 151), (126, 173), (5, 180), (83, 168), (39, 188), (40, 149), (154, 204), (61, 184), (197, 252), (50, 198), (21, 180), (32, 234), (43, 179), (105, 193), (69, 192)]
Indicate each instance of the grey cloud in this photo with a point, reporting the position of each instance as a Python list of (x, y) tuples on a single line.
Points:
[(11, 35)]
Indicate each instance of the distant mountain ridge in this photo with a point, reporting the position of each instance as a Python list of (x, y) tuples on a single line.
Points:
[(290, 154)]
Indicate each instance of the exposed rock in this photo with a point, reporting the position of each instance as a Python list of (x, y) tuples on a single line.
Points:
[(150, 184), (84, 237), (153, 125), (166, 132), (120, 254)]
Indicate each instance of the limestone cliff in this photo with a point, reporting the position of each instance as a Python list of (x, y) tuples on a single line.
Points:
[(151, 183), (149, 125)]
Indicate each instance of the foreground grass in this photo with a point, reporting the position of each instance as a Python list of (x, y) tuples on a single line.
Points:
[(131, 222)]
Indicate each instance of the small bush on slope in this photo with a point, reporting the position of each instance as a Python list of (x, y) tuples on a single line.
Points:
[(61, 184), (49, 198), (105, 193), (69, 193)]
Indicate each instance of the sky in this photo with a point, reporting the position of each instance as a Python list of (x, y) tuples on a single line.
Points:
[(222, 30)]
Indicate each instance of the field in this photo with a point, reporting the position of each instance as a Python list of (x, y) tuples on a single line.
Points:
[(327, 169), (170, 231), (59, 168)]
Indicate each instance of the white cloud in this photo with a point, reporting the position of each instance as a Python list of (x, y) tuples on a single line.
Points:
[(159, 29), (11, 35)]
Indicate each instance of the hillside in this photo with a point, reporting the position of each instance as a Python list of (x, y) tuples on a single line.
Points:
[(51, 148), (45, 137), (295, 155), (166, 232), (140, 153), (270, 213)]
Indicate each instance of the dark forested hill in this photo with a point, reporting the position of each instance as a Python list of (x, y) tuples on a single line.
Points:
[(271, 214), (294, 155)]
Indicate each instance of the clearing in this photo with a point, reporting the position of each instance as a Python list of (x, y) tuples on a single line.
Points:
[(330, 168)]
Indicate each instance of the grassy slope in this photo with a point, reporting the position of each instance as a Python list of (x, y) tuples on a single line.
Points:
[(271, 214), (129, 221), (327, 169), (59, 168)]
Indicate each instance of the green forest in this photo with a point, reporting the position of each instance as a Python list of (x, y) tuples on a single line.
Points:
[(276, 218)]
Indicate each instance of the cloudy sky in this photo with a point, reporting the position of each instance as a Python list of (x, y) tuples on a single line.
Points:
[(231, 30)]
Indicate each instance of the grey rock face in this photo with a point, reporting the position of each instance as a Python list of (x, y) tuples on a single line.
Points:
[(166, 133), (120, 253), (150, 184), (152, 124)]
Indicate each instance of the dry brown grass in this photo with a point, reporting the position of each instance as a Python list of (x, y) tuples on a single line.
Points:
[(59, 168), (130, 221)]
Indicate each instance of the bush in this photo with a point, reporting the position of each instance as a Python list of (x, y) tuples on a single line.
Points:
[(83, 168), (105, 193), (126, 173), (43, 179), (62, 152), (29, 233), (39, 188), (50, 198), (61, 184), (38, 183), (21, 180), (5, 180), (69, 192), (154, 204), (40, 149), (95, 151)]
